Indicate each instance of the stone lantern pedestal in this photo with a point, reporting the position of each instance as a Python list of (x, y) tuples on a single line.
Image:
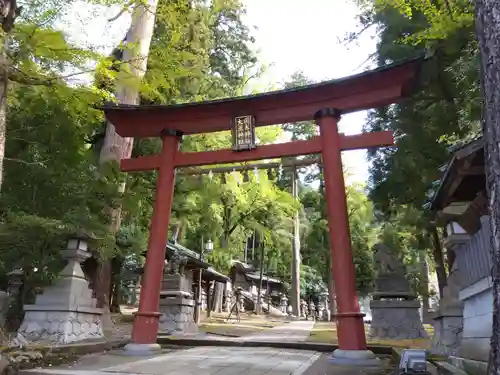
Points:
[(395, 309), (177, 304), (448, 319), (66, 311)]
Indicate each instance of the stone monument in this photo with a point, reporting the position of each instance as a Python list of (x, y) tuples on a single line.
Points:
[(241, 302), (326, 307), (229, 298), (448, 319), (66, 311), (303, 308), (176, 299), (312, 310), (283, 303), (395, 309), (321, 311)]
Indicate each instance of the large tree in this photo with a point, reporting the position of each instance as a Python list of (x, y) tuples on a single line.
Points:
[(448, 22), (488, 34)]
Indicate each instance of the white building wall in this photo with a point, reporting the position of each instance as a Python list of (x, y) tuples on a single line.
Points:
[(478, 318)]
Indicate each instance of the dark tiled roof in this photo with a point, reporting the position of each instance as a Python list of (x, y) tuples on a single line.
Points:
[(465, 147)]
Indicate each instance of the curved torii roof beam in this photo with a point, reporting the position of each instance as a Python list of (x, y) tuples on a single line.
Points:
[(370, 89)]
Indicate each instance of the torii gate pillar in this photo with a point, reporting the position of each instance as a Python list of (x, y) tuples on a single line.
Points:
[(350, 325), (145, 328)]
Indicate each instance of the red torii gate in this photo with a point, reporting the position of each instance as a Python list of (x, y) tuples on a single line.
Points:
[(323, 102)]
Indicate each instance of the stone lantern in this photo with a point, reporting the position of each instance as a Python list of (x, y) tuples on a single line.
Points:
[(15, 281), (66, 311), (283, 303), (456, 236)]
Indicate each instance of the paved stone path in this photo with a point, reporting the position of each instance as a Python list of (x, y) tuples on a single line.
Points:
[(206, 361), (295, 331)]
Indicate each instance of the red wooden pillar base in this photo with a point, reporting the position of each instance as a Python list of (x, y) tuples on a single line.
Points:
[(350, 326), (145, 328)]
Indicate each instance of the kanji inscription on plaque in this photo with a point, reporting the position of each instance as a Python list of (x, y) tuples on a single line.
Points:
[(243, 133)]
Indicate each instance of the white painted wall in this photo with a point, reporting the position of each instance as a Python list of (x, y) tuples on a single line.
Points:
[(478, 317)]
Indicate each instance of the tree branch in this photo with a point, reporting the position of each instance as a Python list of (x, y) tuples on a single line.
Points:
[(123, 10), (22, 161)]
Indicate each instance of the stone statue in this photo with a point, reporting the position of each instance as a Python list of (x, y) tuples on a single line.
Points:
[(448, 319), (394, 308), (390, 272), (386, 262), (177, 264)]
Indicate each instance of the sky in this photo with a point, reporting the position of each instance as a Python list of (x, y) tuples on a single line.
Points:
[(308, 36), (291, 36)]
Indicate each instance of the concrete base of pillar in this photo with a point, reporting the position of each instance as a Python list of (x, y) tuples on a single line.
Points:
[(361, 358), (141, 350)]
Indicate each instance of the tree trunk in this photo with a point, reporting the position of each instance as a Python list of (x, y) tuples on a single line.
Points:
[(209, 299), (258, 308), (437, 253), (425, 289), (488, 33), (115, 292), (331, 292), (133, 68), (295, 292), (3, 124), (8, 14), (218, 292), (101, 292)]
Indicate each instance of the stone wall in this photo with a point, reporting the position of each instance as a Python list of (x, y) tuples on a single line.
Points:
[(61, 326), (177, 304), (448, 327), (177, 315), (478, 318)]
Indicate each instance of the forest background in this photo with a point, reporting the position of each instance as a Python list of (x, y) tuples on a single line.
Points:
[(53, 183)]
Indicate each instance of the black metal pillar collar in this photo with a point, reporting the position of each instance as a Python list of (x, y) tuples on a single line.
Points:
[(171, 133), (328, 112)]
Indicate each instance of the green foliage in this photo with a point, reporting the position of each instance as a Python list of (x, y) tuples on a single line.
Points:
[(52, 186), (39, 52), (316, 249), (199, 51), (442, 18), (312, 284), (444, 111)]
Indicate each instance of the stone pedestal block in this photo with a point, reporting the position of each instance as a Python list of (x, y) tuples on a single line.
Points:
[(61, 326), (396, 319), (66, 311), (177, 315), (448, 325), (177, 285)]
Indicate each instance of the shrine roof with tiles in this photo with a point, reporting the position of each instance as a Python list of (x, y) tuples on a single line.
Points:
[(370, 89), (462, 178)]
